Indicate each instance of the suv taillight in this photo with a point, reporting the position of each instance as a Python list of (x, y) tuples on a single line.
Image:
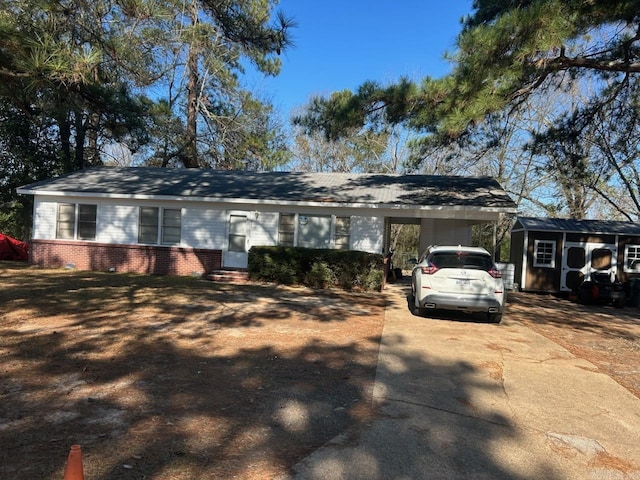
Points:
[(430, 270), (495, 273)]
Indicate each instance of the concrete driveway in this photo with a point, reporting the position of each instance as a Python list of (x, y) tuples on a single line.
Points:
[(462, 400)]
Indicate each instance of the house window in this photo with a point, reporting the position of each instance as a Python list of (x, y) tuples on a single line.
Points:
[(286, 229), (544, 254), (342, 233), (313, 231), (148, 225), (76, 221), (159, 225), (171, 226), (87, 222), (66, 221), (632, 258)]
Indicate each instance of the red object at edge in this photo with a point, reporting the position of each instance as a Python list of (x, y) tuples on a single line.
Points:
[(12, 249)]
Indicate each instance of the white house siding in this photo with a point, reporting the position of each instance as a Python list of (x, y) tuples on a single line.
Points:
[(44, 219), (367, 234), (264, 229), (204, 228), (445, 232), (117, 224)]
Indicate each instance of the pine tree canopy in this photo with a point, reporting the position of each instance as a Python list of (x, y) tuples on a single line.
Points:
[(506, 51)]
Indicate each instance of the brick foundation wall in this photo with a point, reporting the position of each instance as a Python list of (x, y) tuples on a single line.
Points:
[(149, 259)]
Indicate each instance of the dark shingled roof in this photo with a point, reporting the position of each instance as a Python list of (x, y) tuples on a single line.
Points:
[(609, 227), (265, 187)]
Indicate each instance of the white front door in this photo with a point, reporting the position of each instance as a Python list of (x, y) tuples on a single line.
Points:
[(580, 260), (236, 255)]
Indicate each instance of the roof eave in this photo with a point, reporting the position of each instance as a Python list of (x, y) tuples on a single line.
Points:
[(238, 201)]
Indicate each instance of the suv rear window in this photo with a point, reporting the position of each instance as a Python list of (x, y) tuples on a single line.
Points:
[(461, 260)]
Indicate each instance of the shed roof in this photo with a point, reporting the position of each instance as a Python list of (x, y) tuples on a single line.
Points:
[(609, 227), (408, 191)]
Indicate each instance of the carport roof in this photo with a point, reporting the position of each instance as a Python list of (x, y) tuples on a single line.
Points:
[(609, 227), (331, 189)]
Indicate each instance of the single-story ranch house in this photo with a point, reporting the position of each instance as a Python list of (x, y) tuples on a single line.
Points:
[(188, 221), (554, 255)]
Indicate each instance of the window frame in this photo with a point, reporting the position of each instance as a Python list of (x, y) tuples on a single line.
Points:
[(166, 227), (86, 221), (160, 226), (77, 221), (342, 233), (636, 256), (288, 231), (536, 254)]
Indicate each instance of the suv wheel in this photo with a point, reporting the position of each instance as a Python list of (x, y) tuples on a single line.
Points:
[(494, 317)]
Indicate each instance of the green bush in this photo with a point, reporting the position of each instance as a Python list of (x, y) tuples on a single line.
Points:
[(320, 268), (372, 280), (12, 220), (320, 275), (277, 267)]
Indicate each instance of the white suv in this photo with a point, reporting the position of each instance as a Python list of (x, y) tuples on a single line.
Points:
[(458, 278)]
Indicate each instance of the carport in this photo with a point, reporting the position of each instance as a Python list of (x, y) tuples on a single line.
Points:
[(447, 208)]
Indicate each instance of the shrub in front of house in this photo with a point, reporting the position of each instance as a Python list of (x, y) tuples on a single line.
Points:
[(278, 266), (319, 268), (320, 275)]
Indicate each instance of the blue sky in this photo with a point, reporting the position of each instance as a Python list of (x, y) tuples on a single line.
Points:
[(339, 44)]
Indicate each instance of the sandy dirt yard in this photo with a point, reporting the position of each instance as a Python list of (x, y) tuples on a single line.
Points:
[(176, 378), (606, 336), (162, 377)]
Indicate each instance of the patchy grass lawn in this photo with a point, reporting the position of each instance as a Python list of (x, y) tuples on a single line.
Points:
[(161, 377)]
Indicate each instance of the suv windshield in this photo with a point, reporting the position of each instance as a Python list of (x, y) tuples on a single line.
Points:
[(461, 260)]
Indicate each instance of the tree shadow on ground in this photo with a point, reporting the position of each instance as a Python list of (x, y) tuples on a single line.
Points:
[(559, 311), (153, 386)]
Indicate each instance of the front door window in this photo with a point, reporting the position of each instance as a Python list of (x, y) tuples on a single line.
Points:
[(237, 233)]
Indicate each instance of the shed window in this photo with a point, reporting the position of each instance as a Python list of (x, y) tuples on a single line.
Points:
[(342, 233), (632, 258), (544, 253), (159, 225), (76, 221)]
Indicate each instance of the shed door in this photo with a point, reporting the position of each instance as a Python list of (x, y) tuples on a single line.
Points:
[(580, 260)]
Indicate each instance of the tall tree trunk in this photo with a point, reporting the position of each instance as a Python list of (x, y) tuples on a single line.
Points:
[(64, 128), (80, 137), (190, 159), (92, 154)]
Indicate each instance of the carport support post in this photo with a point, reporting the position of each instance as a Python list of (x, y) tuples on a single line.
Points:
[(496, 255), (426, 227)]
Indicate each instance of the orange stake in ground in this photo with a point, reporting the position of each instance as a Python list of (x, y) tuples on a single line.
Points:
[(73, 470)]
